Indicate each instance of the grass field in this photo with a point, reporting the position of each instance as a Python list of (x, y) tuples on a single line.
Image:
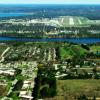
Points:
[(67, 21), (72, 88), (74, 21), (95, 48), (69, 52)]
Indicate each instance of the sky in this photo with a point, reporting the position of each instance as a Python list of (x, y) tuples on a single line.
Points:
[(49, 1)]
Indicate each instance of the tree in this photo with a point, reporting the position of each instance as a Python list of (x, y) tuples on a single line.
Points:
[(94, 97), (44, 92), (82, 97)]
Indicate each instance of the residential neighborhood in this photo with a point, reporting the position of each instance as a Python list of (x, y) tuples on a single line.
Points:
[(22, 65)]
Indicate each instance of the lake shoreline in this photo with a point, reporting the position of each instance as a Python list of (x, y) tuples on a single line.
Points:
[(72, 40)]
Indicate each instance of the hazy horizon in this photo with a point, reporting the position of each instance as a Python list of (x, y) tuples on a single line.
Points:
[(44, 4), (50, 2)]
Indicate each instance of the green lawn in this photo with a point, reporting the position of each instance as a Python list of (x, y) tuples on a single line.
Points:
[(77, 49), (65, 53), (69, 52)]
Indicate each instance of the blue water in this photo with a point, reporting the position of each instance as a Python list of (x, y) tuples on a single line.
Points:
[(71, 40), (12, 14), (15, 10)]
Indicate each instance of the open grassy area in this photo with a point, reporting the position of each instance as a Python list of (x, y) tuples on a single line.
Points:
[(69, 52), (77, 21), (65, 53), (72, 88), (95, 48)]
